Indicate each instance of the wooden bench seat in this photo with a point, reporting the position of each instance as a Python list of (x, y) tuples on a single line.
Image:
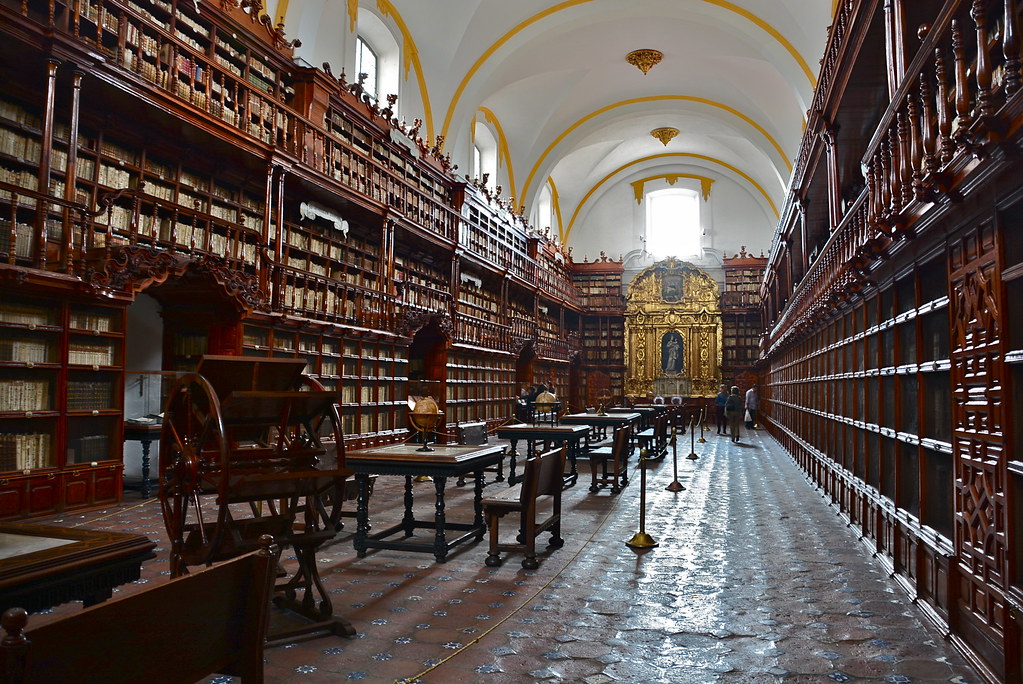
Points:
[(540, 487), (210, 621)]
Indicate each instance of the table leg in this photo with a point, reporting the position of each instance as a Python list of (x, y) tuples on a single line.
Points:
[(145, 468), (512, 456), (477, 506), (440, 545), (408, 520), (573, 448), (362, 515)]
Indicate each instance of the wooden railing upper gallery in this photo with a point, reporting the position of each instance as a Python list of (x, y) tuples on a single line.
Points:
[(959, 99), (178, 67)]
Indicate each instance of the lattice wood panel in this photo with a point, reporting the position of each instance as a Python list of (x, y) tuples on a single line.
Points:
[(978, 413)]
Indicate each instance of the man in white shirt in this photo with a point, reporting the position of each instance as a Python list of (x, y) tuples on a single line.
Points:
[(752, 403)]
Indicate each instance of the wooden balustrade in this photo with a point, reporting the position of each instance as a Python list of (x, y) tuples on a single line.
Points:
[(311, 296), (52, 242), (483, 333), (424, 297)]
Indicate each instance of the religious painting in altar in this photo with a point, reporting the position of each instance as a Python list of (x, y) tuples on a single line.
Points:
[(673, 331), (671, 353)]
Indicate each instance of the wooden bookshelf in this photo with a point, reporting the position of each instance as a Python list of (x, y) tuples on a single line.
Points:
[(60, 405)]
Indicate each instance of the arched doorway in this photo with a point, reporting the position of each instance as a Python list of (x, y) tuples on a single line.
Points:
[(428, 356)]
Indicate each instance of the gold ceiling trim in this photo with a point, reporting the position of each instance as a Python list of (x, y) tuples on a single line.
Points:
[(672, 178), (644, 60)]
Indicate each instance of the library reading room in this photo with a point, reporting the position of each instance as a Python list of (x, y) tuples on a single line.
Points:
[(511, 341)]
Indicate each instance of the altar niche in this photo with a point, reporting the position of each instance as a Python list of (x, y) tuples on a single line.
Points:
[(673, 331), (671, 353)]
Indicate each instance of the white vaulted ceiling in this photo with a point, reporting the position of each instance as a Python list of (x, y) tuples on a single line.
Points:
[(736, 79)]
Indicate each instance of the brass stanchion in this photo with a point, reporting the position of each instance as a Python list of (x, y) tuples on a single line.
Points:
[(675, 485), (703, 426), (642, 540), (692, 444)]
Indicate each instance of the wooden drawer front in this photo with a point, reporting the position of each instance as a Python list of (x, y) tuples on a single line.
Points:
[(43, 494), (78, 489), (12, 498)]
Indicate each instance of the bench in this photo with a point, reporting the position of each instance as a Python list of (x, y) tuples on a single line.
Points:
[(475, 434), (541, 484), (213, 620), (610, 464)]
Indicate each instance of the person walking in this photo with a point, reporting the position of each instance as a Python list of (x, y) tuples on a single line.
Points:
[(733, 412), (752, 404), (719, 409)]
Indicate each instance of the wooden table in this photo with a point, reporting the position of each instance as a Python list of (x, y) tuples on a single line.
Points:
[(601, 423), (146, 434), (406, 459), (571, 435), (42, 566), (647, 414)]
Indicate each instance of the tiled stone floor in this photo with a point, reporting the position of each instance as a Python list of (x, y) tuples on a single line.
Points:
[(755, 579)]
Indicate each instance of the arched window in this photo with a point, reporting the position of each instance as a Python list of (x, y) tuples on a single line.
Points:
[(485, 152), (673, 223), (378, 56), (366, 63), (545, 211)]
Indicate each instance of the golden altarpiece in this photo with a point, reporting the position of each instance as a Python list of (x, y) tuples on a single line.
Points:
[(673, 332)]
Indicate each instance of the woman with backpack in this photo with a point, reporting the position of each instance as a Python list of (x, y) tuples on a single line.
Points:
[(733, 412)]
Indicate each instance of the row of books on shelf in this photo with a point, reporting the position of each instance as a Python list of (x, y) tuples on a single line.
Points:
[(84, 354), (17, 114), (26, 350), (25, 314), (86, 320), (23, 239), (31, 394), (19, 145), (90, 448), (23, 178), (24, 451), (89, 395)]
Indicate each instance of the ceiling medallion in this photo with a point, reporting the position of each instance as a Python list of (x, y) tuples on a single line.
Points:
[(644, 60), (664, 134)]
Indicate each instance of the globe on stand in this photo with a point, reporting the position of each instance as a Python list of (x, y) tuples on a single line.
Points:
[(604, 398), (424, 418), (546, 403)]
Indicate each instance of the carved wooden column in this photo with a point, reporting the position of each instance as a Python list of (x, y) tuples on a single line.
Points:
[(71, 171), (895, 43), (46, 143), (1011, 48), (829, 134), (387, 253), (804, 251), (278, 212)]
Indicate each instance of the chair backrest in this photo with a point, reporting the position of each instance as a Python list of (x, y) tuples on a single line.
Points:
[(182, 630), (543, 475), (661, 426), (619, 450), (552, 468)]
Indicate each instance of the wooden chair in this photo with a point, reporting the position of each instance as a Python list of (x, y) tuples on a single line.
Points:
[(542, 483), (655, 439), (213, 620), (610, 464)]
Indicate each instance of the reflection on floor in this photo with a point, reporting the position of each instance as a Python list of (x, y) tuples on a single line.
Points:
[(755, 579)]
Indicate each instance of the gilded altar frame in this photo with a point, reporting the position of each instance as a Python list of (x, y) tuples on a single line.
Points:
[(673, 298)]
